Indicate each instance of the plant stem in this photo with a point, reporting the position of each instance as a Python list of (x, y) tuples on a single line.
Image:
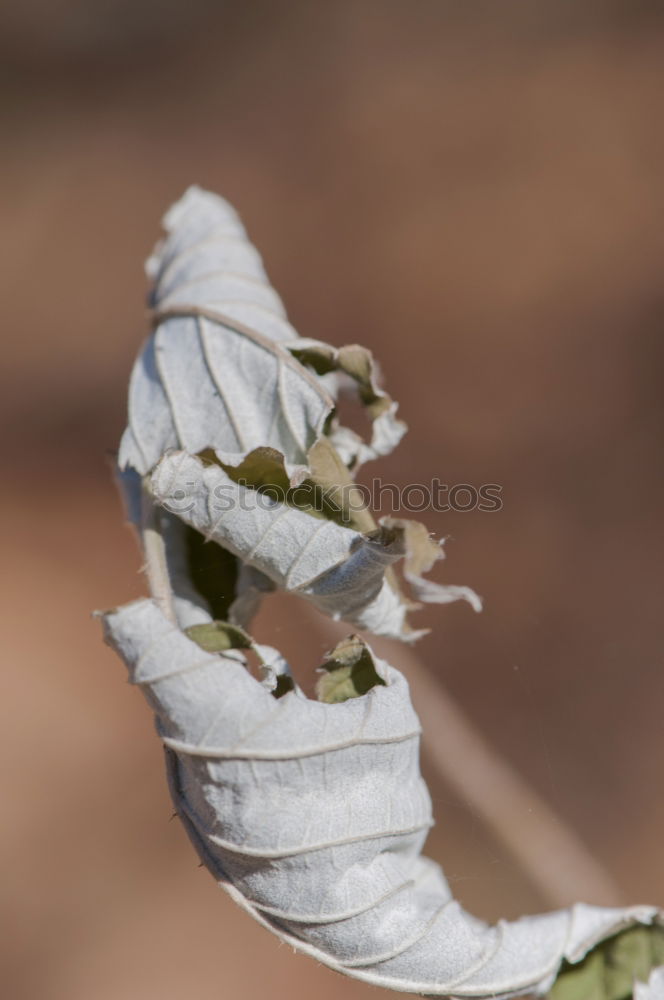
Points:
[(154, 550)]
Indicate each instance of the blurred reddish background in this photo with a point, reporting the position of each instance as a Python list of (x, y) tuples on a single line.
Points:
[(472, 190)]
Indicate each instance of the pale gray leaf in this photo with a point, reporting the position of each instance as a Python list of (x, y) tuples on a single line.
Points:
[(313, 817), (341, 571), (201, 383)]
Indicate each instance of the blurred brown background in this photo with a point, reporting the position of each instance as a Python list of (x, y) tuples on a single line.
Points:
[(475, 192)]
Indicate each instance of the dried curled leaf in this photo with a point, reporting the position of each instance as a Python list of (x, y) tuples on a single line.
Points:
[(312, 816), (311, 813), (215, 373), (421, 553), (339, 570), (349, 672)]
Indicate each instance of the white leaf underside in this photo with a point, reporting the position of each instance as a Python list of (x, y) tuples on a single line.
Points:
[(340, 571), (202, 384), (346, 883), (215, 373), (311, 815), (337, 569)]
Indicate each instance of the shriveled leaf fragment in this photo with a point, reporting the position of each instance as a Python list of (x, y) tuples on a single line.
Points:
[(323, 486), (217, 636), (341, 571), (357, 363), (313, 815), (421, 553), (262, 469), (349, 672), (341, 500), (220, 636)]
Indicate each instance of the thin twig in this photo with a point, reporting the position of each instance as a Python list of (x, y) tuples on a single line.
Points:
[(154, 551), (549, 852)]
